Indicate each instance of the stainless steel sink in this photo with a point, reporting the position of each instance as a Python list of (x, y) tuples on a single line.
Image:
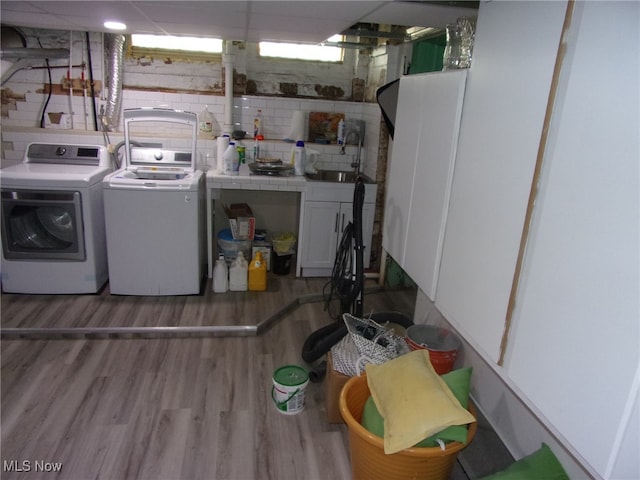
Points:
[(336, 176)]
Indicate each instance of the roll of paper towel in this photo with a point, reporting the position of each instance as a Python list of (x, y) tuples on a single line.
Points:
[(297, 127), (223, 143)]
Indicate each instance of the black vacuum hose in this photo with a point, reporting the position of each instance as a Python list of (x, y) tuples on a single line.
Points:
[(346, 283)]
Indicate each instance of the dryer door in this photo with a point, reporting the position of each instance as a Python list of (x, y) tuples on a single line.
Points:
[(42, 225)]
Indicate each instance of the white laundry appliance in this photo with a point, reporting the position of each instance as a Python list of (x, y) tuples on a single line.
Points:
[(154, 208), (53, 232)]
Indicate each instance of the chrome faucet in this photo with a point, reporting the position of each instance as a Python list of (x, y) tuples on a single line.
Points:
[(356, 164)]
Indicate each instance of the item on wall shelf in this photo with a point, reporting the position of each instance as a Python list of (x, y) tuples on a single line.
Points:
[(206, 120), (257, 125), (457, 53), (340, 139), (297, 127), (323, 127)]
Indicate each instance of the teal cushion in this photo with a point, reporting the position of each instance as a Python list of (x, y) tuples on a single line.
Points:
[(458, 381), (540, 465)]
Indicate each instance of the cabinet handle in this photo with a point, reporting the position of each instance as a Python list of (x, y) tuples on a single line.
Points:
[(342, 229), (335, 228)]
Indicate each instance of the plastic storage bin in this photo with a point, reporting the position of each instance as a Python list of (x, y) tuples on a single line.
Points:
[(229, 247)]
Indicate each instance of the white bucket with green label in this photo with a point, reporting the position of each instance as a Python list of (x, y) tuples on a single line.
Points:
[(289, 383)]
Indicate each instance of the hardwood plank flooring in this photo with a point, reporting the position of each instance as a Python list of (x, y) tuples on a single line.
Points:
[(168, 408)]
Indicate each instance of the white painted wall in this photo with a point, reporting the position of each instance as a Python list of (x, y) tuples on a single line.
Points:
[(277, 111), (572, 372), (576, 328)]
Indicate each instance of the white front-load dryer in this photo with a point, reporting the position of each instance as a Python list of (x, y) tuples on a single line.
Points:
[(53, 231)]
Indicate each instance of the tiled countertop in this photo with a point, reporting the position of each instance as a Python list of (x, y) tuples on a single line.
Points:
[(250, 181)]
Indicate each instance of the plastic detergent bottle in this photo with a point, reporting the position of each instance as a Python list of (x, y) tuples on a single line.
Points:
[(206, 120), (220, 276), (231, 160), (298, 158), (257, 273), (238, 274)]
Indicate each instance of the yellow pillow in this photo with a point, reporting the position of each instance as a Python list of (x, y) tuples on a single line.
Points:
[(413, 400)]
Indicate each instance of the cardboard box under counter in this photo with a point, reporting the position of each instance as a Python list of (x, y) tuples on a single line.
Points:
[(265, 249)]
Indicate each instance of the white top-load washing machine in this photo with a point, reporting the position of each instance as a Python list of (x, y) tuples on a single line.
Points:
[(154, 208), (53, 233)]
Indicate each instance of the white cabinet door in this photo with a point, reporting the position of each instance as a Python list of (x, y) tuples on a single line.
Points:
[(402, 167), (420, 172), (324, 223), (504, 110), (443, 93), (321, 230)]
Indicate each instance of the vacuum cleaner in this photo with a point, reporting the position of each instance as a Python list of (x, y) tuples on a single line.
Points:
[(347, 285)]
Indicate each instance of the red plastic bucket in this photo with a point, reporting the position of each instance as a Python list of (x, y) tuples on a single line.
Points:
[(443, 345)]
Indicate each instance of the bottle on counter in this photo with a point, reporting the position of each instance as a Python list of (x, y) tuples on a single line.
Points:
[(298, 158), (206, 120), (231, 160), (257, 144), (242, 154), (257, 274), (238, 273), (220, 276), (222, 144)]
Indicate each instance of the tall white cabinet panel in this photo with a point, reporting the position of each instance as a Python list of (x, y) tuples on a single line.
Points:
[(402, 166), (422, 163), (577, 313), (504, 108)]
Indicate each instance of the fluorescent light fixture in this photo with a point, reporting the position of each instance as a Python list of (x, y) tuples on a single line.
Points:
[(169, 42), (111, 25)]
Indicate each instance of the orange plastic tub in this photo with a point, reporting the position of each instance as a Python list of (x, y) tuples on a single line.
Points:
[(368, 460)]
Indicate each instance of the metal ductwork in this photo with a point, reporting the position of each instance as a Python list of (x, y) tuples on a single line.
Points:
[(115, 70)]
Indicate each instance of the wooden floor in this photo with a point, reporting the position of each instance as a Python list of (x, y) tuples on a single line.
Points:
[(170, 408)]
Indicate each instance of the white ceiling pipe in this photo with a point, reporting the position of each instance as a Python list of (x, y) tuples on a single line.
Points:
[(227, 61)]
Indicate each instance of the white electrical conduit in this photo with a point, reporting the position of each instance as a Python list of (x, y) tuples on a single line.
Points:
[(227, 61), (70, 79)]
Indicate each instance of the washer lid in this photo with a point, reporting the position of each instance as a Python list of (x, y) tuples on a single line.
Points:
[(128, 179)]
